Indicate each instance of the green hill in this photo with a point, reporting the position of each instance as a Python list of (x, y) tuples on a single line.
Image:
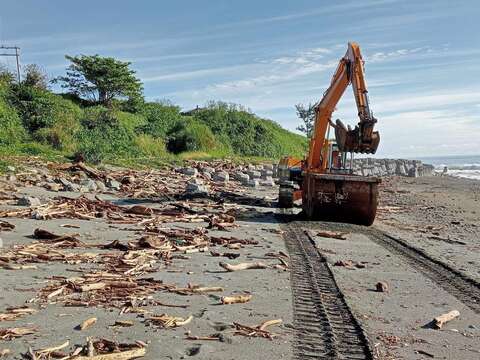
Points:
[(37, 121)]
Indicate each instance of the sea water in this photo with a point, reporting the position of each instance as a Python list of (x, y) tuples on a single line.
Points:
[(467, 166)]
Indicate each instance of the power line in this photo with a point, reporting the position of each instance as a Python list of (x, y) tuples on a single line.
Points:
[(16, 54)]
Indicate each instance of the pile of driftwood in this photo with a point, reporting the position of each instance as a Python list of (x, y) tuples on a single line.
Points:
[(218, 216), (99, 289)]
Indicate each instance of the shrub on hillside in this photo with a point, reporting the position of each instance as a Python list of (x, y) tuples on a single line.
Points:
[(35, 76), (160, 118), (49, 118), (35, 106), (149, 146), (11, 129), (190, 135), (105, 136)]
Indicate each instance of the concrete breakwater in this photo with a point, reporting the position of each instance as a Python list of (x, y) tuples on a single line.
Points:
[(390, 167), (266, 174)]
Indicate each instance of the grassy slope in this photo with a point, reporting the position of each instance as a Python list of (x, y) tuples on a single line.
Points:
[(38, 122)]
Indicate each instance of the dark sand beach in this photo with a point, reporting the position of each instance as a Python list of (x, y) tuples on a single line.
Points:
[(423, 246)]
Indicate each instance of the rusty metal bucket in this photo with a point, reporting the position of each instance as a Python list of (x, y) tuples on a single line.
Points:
[(340, 198)]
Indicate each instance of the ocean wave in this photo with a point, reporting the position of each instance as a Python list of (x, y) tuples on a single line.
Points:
[(468, 174), (459, 167)]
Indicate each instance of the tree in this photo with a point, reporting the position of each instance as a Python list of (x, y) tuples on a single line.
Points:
[(101, 79), (35, 76), (307, 114)]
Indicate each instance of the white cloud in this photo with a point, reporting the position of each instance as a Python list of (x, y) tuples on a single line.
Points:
[(383, 56), (426, 101), (186, 75), (325, 9), (429, 132)]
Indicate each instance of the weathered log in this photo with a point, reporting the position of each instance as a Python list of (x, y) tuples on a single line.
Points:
[(124, 355), (87, 323), (235, 299), (439, 321), (94, 286), (242, 266)]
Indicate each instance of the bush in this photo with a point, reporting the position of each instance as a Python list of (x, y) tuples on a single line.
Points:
[(11, 129), (190, 135), (105, 136), (149, 146), (49, 118), (160, 118), (35, 76), (132, 122), (40, 108)]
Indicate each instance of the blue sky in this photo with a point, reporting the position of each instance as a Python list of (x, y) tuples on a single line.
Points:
[(422, 57)]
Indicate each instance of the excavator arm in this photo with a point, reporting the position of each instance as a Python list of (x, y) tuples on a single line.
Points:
[(362, 139)]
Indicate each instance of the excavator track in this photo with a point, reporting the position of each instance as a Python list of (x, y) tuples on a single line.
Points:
[(325, 326), (457, 284)]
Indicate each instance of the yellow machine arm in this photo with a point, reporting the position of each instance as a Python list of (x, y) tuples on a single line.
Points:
[(361, 139)]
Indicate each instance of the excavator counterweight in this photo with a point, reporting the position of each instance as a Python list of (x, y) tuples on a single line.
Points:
[(326, 184)]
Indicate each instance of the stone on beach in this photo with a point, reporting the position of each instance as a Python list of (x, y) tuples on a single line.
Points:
[(114, 184), (29, 201), (221, 176), (254, 174), (196, 186), (189, 171)]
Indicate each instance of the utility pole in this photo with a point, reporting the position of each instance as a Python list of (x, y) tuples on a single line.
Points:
[(17, 57)]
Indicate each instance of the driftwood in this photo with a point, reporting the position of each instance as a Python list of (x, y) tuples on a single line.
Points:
[(332, 235), (91, 287), (123, 323), (10, 333), (6, 226), (235, 299), (441, 320), (207, 338), (5, 352), (268, 323), (15, 313), (242, 266), (197, 290), (52, 349), (123, 355), (257, 331), (167, 321), (87, 323)]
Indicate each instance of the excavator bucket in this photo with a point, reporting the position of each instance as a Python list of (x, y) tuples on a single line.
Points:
[(351, 141), (340, 198)]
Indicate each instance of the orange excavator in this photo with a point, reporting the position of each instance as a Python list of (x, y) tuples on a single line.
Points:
[(324, 180)]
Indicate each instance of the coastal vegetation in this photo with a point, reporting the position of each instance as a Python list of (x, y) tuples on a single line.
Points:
[(102, 117)]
